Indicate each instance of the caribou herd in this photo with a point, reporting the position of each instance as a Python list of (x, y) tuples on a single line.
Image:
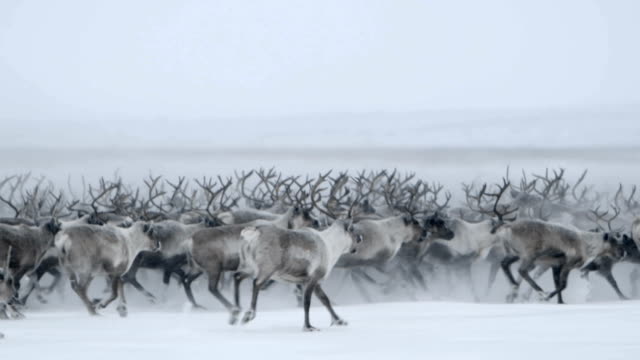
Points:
[(381, 228)]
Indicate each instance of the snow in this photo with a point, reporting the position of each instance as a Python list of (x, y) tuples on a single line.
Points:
[(415, 330)]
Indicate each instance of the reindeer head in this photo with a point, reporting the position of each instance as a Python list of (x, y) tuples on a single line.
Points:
[(53, 226), (412, 223), (94, 219), (211, 221), (620, 246), (152, 242), (349, 229), (436, 226), (301, 217)]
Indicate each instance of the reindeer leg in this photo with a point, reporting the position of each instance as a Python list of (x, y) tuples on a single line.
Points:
[(298, 292), (563, 276), (57, 276), (130, 277), (114, 292), (506, 268), (608, 275), (80, 287), (33, 283), (466, 271), (493, 272), (324, 299), (187, 289), (634, 278), (13, 312), (559, 279), (122, 305), (166, 276), (237, 280), (214, 279), (257, 286), (134, 282), (540, 270), (525, 266), (308, 290)]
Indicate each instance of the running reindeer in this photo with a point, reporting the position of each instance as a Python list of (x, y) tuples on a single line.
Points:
[(216, 250)]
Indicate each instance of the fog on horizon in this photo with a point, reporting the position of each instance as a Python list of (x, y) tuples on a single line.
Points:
[(374, 73)]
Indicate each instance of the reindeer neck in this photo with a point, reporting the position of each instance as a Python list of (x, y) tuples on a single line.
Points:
[(397, 228), (193, 228), (282, 221), (134, 241), (46, 238), (592, 243), (336, 242)]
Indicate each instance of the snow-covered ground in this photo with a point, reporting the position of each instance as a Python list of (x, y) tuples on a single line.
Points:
[(418, 330)]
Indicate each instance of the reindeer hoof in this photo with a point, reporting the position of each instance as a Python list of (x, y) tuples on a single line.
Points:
[(339, 322), (18, 316), (152, 299), (310, 329), (1, 336), (235, 314), (122, 310), (511, 298), (544, 296), (248, 316)]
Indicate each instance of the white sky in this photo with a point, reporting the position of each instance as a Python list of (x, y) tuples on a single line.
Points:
[(109, 66)]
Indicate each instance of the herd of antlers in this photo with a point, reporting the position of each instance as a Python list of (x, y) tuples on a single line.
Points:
[(332, 194)]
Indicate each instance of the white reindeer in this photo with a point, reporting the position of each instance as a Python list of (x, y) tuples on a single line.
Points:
[(304, 257)]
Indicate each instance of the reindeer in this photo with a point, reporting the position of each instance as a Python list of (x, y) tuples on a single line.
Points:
[(304, 257), (173, 237), (8, 291), (90, 250), (635, 273), (532, 241), (383, 238), (217, 250), (603, 265), (536, 241), (472, 241), (29, 244)]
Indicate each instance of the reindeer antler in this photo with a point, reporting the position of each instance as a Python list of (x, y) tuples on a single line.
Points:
[(498, 195), (316, 196)]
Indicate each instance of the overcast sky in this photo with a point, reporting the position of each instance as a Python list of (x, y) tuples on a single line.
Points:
[(123, 68)]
